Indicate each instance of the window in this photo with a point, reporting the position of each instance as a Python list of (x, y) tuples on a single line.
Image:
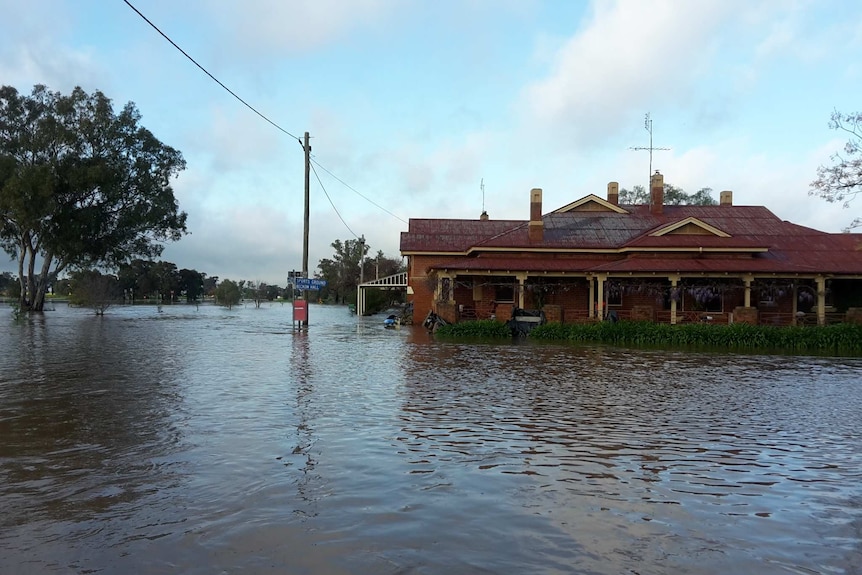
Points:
[(504, 292)]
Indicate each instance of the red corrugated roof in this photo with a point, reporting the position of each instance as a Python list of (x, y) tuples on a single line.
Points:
[(790, 248)]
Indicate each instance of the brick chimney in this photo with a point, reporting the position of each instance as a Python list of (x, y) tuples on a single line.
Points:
[(614, 193), (537, 228), (656, 193), (725, 198)]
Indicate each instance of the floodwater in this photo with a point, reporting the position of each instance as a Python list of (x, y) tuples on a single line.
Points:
[(206, 440)]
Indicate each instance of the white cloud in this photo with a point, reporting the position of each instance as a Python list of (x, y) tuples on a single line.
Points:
[(33, 52), (265, 27), (630, 52)]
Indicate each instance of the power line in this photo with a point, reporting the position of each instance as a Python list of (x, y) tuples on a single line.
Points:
[(325, 193), (205, 71), (253, 109), (351, 188)]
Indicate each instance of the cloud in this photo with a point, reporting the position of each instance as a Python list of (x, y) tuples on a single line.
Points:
[(29, 55), (268, 28), (629, 55)]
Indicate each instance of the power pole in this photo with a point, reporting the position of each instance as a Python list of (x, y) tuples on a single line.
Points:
[(307, 149)]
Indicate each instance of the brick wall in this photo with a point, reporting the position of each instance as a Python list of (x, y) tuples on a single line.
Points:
[(745, 315)]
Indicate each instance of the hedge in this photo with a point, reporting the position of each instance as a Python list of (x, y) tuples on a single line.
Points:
[(842, 338)]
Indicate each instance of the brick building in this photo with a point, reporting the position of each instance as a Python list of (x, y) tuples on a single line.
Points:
[(595, 258)]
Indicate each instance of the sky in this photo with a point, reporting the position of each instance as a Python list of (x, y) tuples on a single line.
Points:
[(444, 109)]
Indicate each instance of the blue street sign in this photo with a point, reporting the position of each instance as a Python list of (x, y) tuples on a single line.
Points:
[(309, 283)]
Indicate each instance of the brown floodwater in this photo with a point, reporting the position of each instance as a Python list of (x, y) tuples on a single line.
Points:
[(205, 440)]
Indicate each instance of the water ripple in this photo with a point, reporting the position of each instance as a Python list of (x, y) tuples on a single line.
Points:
[(207, 440)]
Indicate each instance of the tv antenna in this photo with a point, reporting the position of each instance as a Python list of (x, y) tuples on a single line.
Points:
[(482, 187), (648, 128)]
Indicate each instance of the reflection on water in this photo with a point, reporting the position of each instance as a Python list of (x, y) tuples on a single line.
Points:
[(209, 440)]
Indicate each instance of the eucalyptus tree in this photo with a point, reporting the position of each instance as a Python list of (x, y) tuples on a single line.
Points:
[(81, 186), (342, 272)]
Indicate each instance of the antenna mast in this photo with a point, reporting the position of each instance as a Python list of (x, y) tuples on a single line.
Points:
[(482, 187), (648, 128)]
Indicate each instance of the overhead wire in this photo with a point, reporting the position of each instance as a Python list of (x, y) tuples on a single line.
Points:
[(367, 199), (325, 193), (253, 109), (205, 71)]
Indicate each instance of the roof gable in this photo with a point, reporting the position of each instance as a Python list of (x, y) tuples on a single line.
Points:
[(590, 203), (689, 226)]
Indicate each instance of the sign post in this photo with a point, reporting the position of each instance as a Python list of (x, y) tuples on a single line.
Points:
[(300, 306)]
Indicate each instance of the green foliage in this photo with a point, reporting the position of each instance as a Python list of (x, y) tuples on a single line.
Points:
[(228, 293), (8, 285), (91, 288), (191, 284), (258, 292), (837, 338), (377, 300), (485, 329), (342, 271), (82, 185), (673, 196)]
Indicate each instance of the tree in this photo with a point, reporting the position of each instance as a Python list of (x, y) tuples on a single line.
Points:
[(256, 291), (92, 289), (191, 284), (673, 196), (342, 271), (842, 181), (167, 280), (82, 186), (209, 285), (228, 293), (6, 280)]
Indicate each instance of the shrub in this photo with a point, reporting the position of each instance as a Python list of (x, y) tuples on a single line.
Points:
[(843, 338), (485, 328)]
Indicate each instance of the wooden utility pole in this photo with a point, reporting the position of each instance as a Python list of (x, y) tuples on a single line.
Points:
[(307, 149)]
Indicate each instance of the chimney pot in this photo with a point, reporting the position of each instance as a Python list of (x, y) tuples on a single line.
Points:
[(484, 216)]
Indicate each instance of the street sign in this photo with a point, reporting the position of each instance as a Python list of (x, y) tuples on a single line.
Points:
[(309, 283)]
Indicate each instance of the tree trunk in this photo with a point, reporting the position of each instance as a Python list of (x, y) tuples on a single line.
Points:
[(34, 300), (22, 283)]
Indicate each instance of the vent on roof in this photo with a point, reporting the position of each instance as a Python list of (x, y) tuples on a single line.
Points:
[(590, 203), (690, 226)]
